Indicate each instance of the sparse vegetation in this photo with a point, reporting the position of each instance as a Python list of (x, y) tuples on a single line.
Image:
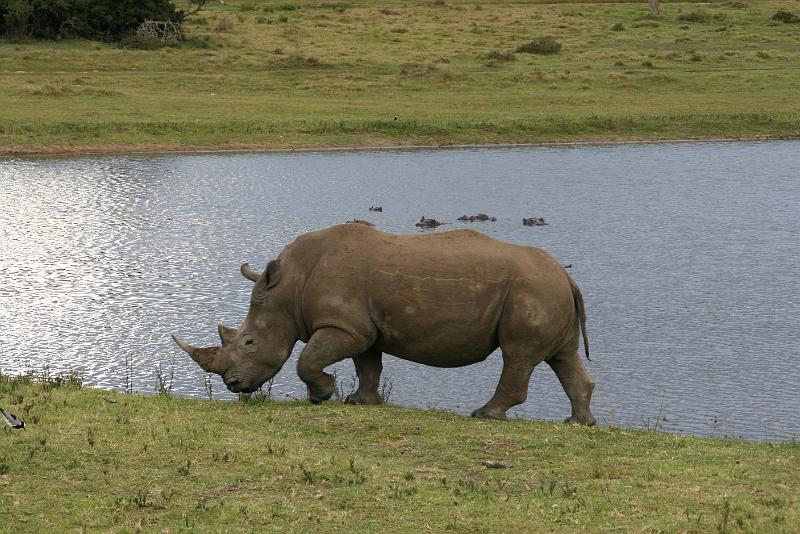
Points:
[(499, 56), (540, 45), (340, 81), (163, 463), (697, 15)]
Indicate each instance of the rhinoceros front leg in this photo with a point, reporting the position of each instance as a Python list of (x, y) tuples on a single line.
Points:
[(577, 384), (368, 368), (512, 388), (326, 347)]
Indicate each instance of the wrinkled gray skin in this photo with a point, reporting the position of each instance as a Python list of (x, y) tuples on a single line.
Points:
[(445, 299)]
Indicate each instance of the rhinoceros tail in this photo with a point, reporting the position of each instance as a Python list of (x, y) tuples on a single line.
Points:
[(579, 307)]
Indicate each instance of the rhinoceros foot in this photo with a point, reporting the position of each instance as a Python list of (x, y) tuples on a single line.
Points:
[(581, 420), (364, 398), (321, 392), (488, 413)]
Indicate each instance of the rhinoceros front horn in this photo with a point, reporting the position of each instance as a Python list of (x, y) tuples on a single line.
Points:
[(249, 273), (208, 357)]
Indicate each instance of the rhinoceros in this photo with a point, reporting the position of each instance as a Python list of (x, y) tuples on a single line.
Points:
[(445, 299)]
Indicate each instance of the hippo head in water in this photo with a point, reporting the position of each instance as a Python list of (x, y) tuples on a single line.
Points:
[(256, 351)]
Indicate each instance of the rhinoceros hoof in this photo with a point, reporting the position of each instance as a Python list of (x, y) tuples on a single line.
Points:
[(481, 413), (581, 420), (316, 397), (357, 398)]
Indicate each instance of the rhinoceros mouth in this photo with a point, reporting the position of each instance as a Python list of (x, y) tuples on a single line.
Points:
[(235, 385)]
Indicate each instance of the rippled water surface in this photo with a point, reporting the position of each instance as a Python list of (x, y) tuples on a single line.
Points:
[(688, 256)]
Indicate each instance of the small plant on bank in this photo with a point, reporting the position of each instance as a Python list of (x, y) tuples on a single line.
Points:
[(541, 46), (618, 27), (163, 382), (787, 17)]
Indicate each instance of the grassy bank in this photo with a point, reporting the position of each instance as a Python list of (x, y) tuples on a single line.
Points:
[(298, 74), (94, 460)]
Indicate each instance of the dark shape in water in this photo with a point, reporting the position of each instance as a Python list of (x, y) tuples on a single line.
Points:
[(533, 221), (477, 218), (379, 209), (428, 223)]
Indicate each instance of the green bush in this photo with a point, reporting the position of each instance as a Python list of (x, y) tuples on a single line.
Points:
[(540, 45), (91, 19), (787, 17), (618, 27)]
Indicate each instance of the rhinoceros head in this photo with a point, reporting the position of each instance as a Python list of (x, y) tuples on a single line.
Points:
[(256, 351)]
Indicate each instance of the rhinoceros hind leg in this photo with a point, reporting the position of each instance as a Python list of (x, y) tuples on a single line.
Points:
[(577, 384), (326, 347), (368, 368), (512, 388)]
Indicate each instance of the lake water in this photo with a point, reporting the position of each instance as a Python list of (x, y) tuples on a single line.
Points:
[(688, 255)]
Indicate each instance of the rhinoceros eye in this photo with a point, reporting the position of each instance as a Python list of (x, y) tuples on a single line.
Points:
[(249, 343)]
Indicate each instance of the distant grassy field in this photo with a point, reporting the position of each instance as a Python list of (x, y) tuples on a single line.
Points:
[(371, 73), (93, 461)]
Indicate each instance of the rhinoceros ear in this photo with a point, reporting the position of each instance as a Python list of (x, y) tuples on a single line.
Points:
[(249, 273), (273, 273)]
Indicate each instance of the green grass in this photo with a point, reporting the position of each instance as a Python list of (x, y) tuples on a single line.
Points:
[(163, 463), (299, 74)]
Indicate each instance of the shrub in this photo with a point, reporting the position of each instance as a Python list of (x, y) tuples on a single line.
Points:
[(618, 27), (787, 17), (540, 45), (92, 19)]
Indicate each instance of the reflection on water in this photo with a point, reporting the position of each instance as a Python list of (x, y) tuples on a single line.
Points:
[(687, 255)]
